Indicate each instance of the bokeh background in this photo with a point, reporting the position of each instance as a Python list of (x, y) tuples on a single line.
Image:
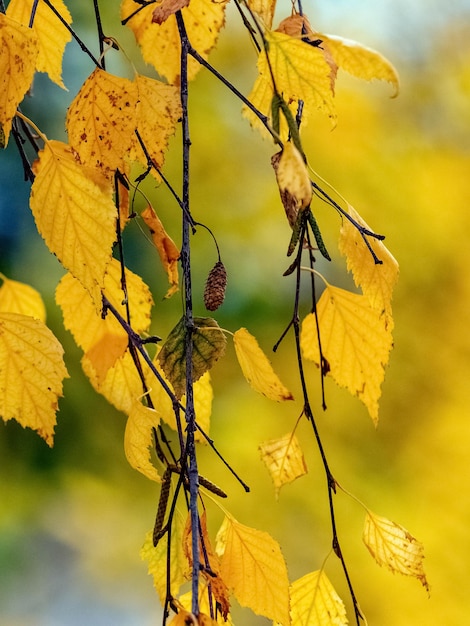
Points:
[(73, 518)]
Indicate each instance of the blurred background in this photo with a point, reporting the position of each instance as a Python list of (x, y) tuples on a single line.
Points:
[(73, 518)]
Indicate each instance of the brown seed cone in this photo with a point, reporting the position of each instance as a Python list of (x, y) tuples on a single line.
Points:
[(214, 292)]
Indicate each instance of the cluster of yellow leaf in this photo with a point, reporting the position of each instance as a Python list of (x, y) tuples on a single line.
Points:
[(31, 360), (304, 64)]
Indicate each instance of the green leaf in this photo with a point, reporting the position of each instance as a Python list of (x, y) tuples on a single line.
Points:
[(208, 345)]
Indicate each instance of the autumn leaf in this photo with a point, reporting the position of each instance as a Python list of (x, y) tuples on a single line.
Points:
[(166, 247), (264, 9), (76, 218), (160, 43), (156, 558), (208, 345), (284, 459), (52, 34), (293, 180), (303, 72), (18, 54), (356, 340), (314, 602), (252, 566), (138, 439), (393, 546), (377, 280), (257, 369), (165, 8), (31, 373), (102, 119), (16, 297)]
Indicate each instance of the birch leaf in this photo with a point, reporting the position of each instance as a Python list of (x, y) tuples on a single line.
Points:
[(377, 281), (51, 33), (393, 546), (160, 43), (356, 342), (31, 373), (76, 218), (101, 120), (18, 54), (257, 369), (138, 439), (253, 567), (293, 178), (284, 459), (16, 297), (263, 9), (314, 602), (208, 346), (166, 247)]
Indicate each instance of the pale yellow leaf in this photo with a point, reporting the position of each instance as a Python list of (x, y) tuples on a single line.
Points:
[(356, 340), (284, 459), (167, 250), (160, 43), (253, 567), (257, 369), (158, 112), (393, 546), (76, 218), (314, 602), (16, 297), (31, 373), (52, 34), (18, 54), (264, 9), (102, 119), (138, 439), (302, 71), (293, 177), (157, 559), (377, 280)]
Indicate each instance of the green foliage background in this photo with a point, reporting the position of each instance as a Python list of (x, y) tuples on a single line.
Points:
[(72, 519)]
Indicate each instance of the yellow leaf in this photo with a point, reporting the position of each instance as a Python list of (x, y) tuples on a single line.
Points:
[(377, 281), (31, 373), (167, 250), (393, 546), (160, 43), (293, 177), (102, 119), (18, 54), (76, 218), (205, 606), (314, 602), (203, 396), (302, 72), (360, 61), (356, 341), (16, 297), (253, 567), (264, 9), (284, 459), (52, 35), (257, 369), (165, 8), (138, 439), (157, 559), (158, 111)]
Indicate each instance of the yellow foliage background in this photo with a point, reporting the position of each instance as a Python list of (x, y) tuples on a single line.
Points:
[(72, 519)]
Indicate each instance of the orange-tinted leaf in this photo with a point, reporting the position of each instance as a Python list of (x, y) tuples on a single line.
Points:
[(16, 297), (76, 218), (167, 250), (314, 602), (31, 373), (160, 43), (393, 546), (356, 341), (52, 35), (102, 119), (284, 459), (253, 567), (166, 8), (138, 439), (18, 54), (257, 369)]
